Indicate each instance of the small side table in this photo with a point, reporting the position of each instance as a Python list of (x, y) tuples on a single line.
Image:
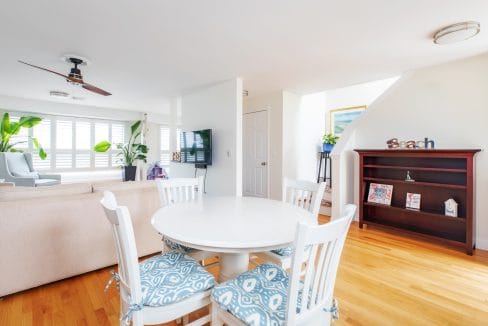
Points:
[(325, 156)]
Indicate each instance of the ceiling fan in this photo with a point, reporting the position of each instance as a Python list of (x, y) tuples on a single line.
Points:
[(74, 76)]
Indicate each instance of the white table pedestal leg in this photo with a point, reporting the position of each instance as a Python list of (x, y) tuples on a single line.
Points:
[(232, 264)]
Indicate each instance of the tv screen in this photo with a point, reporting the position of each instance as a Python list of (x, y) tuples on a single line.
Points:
[(196, 146)]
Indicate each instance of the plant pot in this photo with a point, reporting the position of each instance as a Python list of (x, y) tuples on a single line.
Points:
[(130, 173), (328, 147)]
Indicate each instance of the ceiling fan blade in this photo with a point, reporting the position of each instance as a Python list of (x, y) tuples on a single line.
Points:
[(95, 89), (45, 69)]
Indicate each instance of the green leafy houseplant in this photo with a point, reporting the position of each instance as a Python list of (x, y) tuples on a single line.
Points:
[(330, 139), (9, 129), (129, 152)]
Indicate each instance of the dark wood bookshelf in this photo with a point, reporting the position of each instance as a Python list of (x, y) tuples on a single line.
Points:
[(438, 174)]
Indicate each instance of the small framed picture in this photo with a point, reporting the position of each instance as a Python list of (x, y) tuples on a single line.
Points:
[(451, 207), (413, 201), (380, 193), (176, 157)]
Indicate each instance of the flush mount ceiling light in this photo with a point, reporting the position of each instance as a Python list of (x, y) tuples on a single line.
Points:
[(457, 32)]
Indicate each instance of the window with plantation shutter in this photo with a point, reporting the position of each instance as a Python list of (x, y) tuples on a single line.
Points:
[(102, 132), (164, 132), (118, 137), (178, 139), (64, 134), (83, 135), (69, 141), (63, 155), (42, 132), (118, 133)]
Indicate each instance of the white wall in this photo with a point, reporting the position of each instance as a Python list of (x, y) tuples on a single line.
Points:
[(342, 169), (273, 103), (304, 126), (217, 107), (447, 103)]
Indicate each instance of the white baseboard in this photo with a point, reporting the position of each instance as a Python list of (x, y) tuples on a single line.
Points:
[(482, 244)]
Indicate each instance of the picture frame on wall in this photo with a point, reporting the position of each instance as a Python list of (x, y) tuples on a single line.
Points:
[(340, 118), (380, 193)]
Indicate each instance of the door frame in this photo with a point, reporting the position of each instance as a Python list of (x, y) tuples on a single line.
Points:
[(268, 138)]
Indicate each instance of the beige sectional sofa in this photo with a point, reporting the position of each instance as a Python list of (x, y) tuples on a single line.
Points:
[(48, 234)]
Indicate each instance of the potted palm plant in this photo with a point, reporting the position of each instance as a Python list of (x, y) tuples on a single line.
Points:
[(9, 129), (129, 152), (329, 140)]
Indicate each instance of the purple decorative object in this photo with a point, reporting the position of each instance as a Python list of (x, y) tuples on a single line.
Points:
[(156, 171)]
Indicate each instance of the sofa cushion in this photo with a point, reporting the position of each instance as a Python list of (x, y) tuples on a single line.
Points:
[(46, 182), (33, 175), (17, 165), (172, 277), (26, 193)]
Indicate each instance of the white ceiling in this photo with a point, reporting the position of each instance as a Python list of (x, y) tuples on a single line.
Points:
[(147, 51)]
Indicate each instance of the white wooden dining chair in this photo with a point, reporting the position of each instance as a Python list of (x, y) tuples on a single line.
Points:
[(305, 194), (268, 295), (181, 190), (159, 289)]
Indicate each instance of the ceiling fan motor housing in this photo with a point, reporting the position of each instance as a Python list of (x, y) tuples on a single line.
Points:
[(75, 72)]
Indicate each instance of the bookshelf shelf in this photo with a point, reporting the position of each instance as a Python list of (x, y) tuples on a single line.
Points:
[(439, 175)]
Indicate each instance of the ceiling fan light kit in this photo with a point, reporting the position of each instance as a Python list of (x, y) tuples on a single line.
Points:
[(457, 32), (74, 77)]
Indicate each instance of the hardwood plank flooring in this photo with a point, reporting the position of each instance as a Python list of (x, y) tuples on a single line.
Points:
[(386, 277)]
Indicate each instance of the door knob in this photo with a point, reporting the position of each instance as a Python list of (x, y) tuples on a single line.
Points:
[(263, 163)]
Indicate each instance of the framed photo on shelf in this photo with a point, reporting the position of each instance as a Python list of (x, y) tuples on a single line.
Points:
[(380, 193), (176, 157), (340, 118), (413, 201)]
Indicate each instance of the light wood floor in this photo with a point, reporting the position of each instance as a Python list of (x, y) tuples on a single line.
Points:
[(386, 278)]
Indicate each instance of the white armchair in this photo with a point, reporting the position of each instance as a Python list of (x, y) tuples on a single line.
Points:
[(17, 168)]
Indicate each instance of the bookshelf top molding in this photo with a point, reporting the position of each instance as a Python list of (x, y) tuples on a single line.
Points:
[(470, 151)]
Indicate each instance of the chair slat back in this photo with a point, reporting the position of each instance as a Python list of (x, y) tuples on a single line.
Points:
[(125, 243), (180, 190), (312, 283), (304, 194)]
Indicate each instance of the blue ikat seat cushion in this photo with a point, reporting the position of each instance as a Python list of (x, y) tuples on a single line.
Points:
[(176, 246), (172, 277), (288, 251), (257, 297), (284, 252)]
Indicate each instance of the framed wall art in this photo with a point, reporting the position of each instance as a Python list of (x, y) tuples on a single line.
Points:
[(340, 118)]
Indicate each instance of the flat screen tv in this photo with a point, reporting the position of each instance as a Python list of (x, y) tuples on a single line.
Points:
[(196, 147)]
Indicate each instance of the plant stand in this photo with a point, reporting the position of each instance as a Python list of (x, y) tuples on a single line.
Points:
[(325, 156)]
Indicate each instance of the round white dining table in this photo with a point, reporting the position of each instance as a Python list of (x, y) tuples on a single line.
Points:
[(232, 227)]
